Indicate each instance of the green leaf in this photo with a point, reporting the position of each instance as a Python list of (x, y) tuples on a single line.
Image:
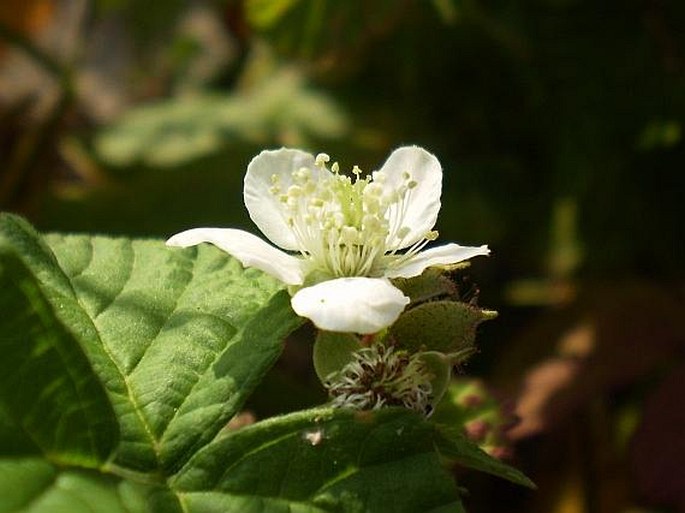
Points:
[(320, 28), (452, 444), (36, 486), (13, 440), (317, 461), (322, 460), (179, 130), (166, 343), (47, 385)]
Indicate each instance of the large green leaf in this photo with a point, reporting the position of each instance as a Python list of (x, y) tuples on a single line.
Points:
[(317, 461), (129, 347), (47, 384), (322, 461), (13, 440), (33, 485), (455, 446)]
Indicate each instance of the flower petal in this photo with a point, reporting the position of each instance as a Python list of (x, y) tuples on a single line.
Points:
[(423, 200), (357, 305), (264, 207), (441, 255), (248, 248)]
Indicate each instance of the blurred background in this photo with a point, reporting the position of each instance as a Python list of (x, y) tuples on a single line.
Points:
[(559, 124)]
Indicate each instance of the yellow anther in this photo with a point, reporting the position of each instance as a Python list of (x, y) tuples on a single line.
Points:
[(302, 175), (432, 235), (373, 206)]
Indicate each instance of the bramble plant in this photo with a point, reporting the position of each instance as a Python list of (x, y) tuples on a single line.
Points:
[(125, 360)]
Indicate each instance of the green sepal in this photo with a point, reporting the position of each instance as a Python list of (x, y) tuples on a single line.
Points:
[(432, 284), (440, 370), (332, 351), (445, 326)]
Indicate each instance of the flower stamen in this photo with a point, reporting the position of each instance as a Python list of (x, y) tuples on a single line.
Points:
[(348, 226), (379, 376)]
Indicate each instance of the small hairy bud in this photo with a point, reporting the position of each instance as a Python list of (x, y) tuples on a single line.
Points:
[(380, 376)]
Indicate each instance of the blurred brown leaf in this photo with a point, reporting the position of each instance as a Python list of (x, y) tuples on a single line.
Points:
[(623, 333), (24, 16)]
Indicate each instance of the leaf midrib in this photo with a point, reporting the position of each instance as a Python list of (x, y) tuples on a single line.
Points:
[(129, 395), (155, 442)]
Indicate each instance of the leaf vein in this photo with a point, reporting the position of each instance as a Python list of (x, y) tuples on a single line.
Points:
[(88, 262), (168, 317), (256, 450), (130, 263), (129, 395)]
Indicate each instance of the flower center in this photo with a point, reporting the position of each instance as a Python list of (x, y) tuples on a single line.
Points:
[(347, 226)]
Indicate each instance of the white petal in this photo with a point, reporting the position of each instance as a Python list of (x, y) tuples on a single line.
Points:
[(424, 199), (264, 207), (441, 255), (248, 248), (356, 305)]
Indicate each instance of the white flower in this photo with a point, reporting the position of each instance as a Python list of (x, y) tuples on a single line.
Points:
[(347, 233)]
